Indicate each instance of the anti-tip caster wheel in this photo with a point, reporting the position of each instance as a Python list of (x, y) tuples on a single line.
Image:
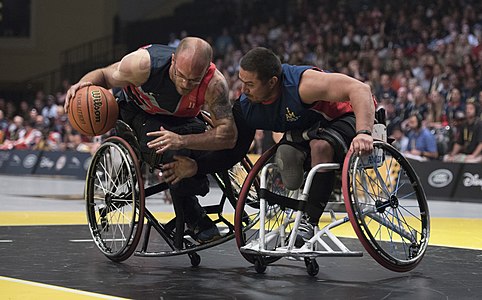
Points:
[(195, 259), (312, 267), (259, 265)]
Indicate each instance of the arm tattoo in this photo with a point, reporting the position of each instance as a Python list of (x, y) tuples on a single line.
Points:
[(221, 107)]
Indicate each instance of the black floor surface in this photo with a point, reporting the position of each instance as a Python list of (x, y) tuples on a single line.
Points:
[(46, 254)]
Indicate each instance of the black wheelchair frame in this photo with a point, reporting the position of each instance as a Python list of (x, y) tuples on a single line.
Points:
[(115, 196)]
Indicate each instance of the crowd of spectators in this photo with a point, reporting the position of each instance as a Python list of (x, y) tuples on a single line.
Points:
[(421, 58)]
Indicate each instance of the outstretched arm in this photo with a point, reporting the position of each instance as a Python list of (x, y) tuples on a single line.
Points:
[(223, 135), (212, 161), (334, 87), (134, 68)]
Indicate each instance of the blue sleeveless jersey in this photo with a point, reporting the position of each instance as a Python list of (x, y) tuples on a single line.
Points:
[(287, 112)]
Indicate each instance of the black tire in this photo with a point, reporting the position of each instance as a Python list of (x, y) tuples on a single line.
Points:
[(195, 259), (114, 194), (387, 207), (312, 267), (260, 266)]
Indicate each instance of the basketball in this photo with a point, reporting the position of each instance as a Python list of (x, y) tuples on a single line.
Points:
[(93, 111)]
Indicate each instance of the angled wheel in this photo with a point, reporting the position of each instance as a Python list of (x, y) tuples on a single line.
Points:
[(387, 207), (312, 267), (114, 196), (278, 219)]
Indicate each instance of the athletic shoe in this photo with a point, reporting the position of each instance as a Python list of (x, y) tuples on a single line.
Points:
[(306, 231), (205, 231)]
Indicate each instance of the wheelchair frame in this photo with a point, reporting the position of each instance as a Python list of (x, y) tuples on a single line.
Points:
[(116, 209), (375, 208)]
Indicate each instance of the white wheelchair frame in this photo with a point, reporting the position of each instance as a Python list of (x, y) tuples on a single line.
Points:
[(325, 243)]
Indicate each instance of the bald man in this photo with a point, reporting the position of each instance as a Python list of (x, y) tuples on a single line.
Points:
[(161, 90)]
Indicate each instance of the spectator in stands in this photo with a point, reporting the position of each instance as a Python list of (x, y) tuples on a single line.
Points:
[(75, 142), (3, 104), (14, 128), (49, 111), (426, 80), (454, 103), (355, 72), (223, 42), (421, 143), (28, 138), (393, 119), (480, 103), (420, 101), (173, 40), (400, 139), (435, 117), (3, 126), (24, 109), (385, 88), (403, 107), (468, 147), (444, 86)]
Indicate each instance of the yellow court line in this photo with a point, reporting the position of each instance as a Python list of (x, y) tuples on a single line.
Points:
[(451, 232), (13, 289)]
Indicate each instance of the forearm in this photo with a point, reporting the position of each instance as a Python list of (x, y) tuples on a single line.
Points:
[(427, 154), (217, 138), (361, 100), (217, 161), (477, 150), (456, 149)]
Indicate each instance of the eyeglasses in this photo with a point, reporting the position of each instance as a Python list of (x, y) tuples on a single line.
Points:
[(184, 79)]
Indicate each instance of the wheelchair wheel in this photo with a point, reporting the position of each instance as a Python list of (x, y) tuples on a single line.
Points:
[(248, 207), (387, 207), (115, 199)]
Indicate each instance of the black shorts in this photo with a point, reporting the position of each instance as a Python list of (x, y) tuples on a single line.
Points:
[(142, 123), (339, 133)]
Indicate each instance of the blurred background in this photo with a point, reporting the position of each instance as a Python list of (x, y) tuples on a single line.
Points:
[(419, 57)]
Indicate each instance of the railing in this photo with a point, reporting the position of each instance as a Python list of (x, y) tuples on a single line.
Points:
[(75, 62)]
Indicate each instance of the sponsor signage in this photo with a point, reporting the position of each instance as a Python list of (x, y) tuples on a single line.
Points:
[(54, 163), (18, 162), (469, 183), (439, 179)]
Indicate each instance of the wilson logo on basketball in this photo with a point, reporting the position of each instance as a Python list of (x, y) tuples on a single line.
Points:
[(96, 97)]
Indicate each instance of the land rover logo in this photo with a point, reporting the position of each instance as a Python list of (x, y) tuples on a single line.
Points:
[(440, 178)]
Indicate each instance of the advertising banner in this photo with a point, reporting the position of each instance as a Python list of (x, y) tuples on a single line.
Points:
[(18, 162), (53, 163), (469, 183)]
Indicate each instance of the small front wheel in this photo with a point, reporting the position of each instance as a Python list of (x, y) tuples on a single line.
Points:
[(195, 259), (312, 266), (260, 265)]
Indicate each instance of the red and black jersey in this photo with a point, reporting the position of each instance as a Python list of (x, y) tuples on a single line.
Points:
[(158, 95)]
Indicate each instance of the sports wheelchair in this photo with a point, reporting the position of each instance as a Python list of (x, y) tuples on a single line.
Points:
[(383, 200), (117, 213)]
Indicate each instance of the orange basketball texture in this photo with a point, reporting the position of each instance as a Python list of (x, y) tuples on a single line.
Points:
[(93, 110)]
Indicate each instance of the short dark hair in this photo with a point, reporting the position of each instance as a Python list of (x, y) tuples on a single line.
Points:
[(263, 62)]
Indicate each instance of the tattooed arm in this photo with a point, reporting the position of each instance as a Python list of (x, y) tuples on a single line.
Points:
[(223, 135)]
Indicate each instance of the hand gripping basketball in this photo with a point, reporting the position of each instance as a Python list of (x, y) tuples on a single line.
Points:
[(93, 110)]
